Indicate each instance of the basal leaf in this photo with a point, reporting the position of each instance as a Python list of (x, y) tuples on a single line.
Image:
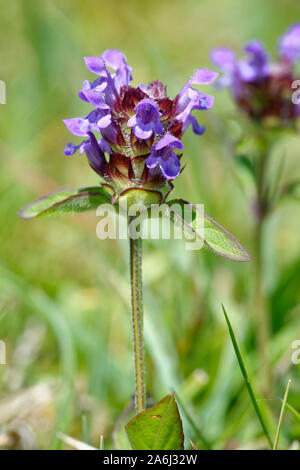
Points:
[(197, 223), (158, 428), (67, 201)]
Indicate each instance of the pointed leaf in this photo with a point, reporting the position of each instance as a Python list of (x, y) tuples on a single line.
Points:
[(158, 428), (213, 235), (67, 201)]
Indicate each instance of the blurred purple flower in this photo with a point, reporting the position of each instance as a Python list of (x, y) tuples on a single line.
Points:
[(235, 72), (260, 87), (289, 43)]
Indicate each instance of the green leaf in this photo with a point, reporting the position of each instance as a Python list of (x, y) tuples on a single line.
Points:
[(67, 201), (246, 378), (158, 428), (216, 238)]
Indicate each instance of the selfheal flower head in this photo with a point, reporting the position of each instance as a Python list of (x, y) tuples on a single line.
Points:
[(140, 127), (261, 88)]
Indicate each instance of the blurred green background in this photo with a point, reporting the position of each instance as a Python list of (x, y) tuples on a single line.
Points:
[(64, 294)]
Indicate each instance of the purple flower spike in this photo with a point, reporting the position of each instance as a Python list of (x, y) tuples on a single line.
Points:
[(245, 70), (146, 121), (289, 43), (162, 155), (261, 88), (130, 120)]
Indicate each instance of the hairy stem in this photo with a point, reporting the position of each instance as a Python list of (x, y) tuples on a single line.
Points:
[(262, 320), (261, 311), (137, 321)]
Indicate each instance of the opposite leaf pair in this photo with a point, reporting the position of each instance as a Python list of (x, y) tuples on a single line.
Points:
[(71, 201)]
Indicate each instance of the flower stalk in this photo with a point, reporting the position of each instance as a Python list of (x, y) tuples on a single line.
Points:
[(135, 257), (261, 311)]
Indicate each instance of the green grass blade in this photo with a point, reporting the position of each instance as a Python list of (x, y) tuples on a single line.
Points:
[(193, 425), (281, 415), (246, 378), (292, 410), (85, 428)]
